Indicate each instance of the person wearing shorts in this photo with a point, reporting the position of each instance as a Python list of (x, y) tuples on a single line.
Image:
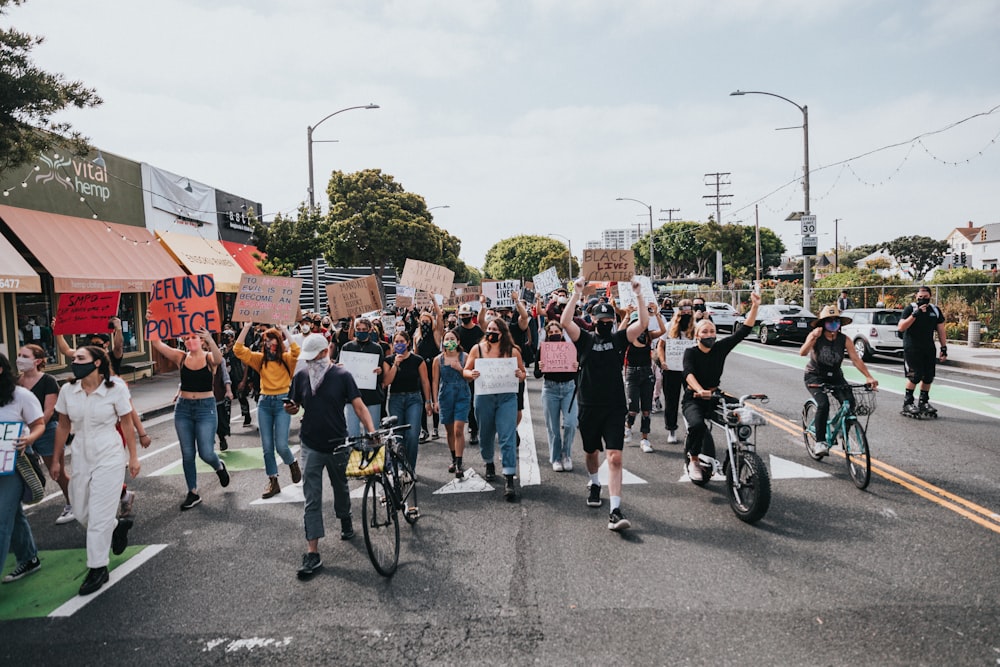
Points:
[(453, 398), (917, 323)]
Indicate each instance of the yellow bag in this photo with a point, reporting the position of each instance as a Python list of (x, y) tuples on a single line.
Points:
[(366, 461)]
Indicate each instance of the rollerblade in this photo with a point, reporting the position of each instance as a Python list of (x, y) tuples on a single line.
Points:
[(910, 410), (927, 410)]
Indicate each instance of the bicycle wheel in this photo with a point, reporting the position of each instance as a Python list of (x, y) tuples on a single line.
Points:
[(751, 500), (859, 462), (809, 429), (381, 524)]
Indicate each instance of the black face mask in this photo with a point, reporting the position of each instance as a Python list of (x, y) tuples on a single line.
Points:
[(466, 320), (699, 306), (362, 336), (81, 371), (685, 321), (493, 336), (923, 300), (554, 338), (604, 328), (707, 342), (425, 328)]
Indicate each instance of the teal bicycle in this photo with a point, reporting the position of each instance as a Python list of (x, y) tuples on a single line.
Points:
[(843, 427)]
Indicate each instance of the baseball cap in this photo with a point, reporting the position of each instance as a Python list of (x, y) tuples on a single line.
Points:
[(602, 310), (464, 309), (312, 346)]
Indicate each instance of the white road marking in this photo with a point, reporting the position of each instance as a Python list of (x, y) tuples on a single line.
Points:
[(527, 457), (785, 469), (77, 603), (471, 483), (289, 494), (627, 477)]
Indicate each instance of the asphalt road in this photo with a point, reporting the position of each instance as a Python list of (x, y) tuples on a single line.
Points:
[(903, 573)]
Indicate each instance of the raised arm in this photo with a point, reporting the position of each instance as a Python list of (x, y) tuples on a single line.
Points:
[(566, 319)]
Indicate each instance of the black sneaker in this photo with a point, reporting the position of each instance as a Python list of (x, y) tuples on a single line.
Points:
[(223, 444), (491, 472), (594, 495), (23, 570), (346, 528), (617, 520), (190, 501), (474, 439), (223, 474), (311, 564), (424, 437), (97, 577), (509, 493), (119, 538)]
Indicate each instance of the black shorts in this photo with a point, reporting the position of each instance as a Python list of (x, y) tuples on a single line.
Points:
[(919, 365), (602, 426)]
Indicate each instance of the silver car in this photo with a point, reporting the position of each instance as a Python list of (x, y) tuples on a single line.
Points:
[(873, 331), (723, 315)]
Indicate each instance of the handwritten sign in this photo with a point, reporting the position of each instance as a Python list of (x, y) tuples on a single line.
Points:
[(389, 323), (10, 432), (557, 357), (428, 277), (182, 305), (499, 292), (626, 297), (673, 352), (362, 366), (547, 281), (496, 376), (85, 313), (608, 264), (350, 297), (272, 299)]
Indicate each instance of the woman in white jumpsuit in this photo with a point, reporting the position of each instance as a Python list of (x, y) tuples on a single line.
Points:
[(90, 406)]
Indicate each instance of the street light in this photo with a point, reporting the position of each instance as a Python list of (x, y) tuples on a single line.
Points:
[(569, 256), (652, 262), (806, 270), (312, 196)]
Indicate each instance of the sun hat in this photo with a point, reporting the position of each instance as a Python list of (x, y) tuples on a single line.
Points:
[(829, 312)]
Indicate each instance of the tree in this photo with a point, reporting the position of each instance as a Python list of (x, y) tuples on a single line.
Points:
[(678, 253), (559, 260), (850, 258), (289, 242), (520, 257), (28, 99), (922, 253)]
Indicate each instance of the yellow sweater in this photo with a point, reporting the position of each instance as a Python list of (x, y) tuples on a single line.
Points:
[(275, 378)]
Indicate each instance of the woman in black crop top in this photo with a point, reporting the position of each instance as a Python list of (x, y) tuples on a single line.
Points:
[(408, 384), (195, 417), (639, 377)]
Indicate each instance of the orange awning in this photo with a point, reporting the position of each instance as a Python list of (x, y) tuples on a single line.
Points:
[(203, 256), (244, 255), (16, 275), (85, 255)]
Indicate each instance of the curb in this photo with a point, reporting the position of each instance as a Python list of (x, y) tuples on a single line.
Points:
[(156, 412)]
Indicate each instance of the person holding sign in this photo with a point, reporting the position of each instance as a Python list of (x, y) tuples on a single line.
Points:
[(602, 392), (195, 411), (453, 398), (22, 423), (670, 351), (639, 377), (91, 405), (496, 411), (366, 342), (408, 384), (276, 366), (558, 394), (427, 344)]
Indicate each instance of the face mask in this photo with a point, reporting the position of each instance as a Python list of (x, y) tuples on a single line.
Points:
[(699, 306), (319, 362), (362, 336), (707, 342), (399, 348), (685, 321), (832, 325), (923, 301), (604, 328), (554, 338), (562, 299), (493, 336), (25, 364), (81, 371), (451, 345), (466, 320), (488, 319), (452, 323), (305, 328)]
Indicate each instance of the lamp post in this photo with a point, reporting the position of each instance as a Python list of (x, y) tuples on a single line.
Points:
[(806, 270), (652, 262), (569, 256), (312, 194), (836, 245)]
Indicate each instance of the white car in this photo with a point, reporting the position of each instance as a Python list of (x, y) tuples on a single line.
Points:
[(725, 316), (873, 331)]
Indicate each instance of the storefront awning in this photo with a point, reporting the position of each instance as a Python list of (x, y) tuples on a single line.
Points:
[(200, 256), (16, 275), (244, 255), (85, 255)]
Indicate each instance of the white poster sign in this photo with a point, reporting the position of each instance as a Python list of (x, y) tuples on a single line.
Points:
[(547, 281), (362, 366), (673, 353), (496, 376), (626, 297), (10, 433), (499, 292)]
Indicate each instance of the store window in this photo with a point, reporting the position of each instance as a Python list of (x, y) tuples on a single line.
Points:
[(127, 309), (34, 322)]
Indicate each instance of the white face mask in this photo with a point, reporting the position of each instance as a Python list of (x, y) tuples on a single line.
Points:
[(25, 364), (562, 299)]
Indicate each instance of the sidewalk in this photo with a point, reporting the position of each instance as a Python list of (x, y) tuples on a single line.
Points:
[(985, 359)]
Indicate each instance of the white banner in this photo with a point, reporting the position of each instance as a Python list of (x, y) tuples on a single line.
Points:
[(626, 297), (499, 292), (10, 433), (496, 376), (362, 366), (547, 281), (673, 352)]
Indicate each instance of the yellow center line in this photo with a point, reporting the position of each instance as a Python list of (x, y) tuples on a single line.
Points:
[(961, 506)]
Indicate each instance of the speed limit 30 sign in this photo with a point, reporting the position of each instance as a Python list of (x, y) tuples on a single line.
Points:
[(808, 225)]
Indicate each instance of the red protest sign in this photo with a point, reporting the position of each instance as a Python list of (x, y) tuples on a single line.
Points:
[(182, 305), (557, 357), (85, 313)]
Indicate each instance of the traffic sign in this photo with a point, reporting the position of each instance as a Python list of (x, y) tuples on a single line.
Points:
[(808, 225), (809, 244)]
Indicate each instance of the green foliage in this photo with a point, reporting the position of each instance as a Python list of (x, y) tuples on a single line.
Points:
[(963, 276), (521, 257), (678, 252), (789, 291), (922, 253), (289, 241), (28, 99), (737, 243), (558, 259), (848, 259)]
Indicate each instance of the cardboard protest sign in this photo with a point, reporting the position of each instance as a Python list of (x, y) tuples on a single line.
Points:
[(405, 295), (605, 264), (557, 357), (182, 305), (547, 281), (428, 277), (85, 313), (626, 297), (350, 297), (673, 353), (499, 292), (272, 299), (496, 376), (389, 324), (10, 432), (362, 366)]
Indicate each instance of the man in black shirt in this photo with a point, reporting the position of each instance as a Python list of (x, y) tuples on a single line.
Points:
[(469, 333), (601, 396), (918, 323)]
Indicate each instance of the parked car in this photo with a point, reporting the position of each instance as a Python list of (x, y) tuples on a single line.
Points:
[(873, 331), (775, 323), (723, 315)]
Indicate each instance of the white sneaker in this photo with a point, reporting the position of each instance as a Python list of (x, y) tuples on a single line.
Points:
[(672, 438), (821, 449), (646, 446), (67, 515), (628, 434), (694, 471), (567, 464), (557, 466)]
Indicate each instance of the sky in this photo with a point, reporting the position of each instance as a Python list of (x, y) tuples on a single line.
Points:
[(533, 116)]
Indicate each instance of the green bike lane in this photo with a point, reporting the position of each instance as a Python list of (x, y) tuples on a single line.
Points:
[(960, 398)]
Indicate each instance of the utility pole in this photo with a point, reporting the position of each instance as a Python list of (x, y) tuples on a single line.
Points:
[(721, 179), (836, 245)]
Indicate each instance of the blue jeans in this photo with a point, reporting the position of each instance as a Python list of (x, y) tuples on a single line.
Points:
[(354, 428), (15, 533), (274, 423), (560, 417), (335, 464), (408, 408), (497, 416), (195, 421)]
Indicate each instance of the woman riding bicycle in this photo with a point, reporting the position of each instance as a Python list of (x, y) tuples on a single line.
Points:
[(825, 346), (703, 366)]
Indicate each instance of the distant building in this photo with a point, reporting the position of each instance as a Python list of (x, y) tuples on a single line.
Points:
[(622, 239), (986, 248)]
